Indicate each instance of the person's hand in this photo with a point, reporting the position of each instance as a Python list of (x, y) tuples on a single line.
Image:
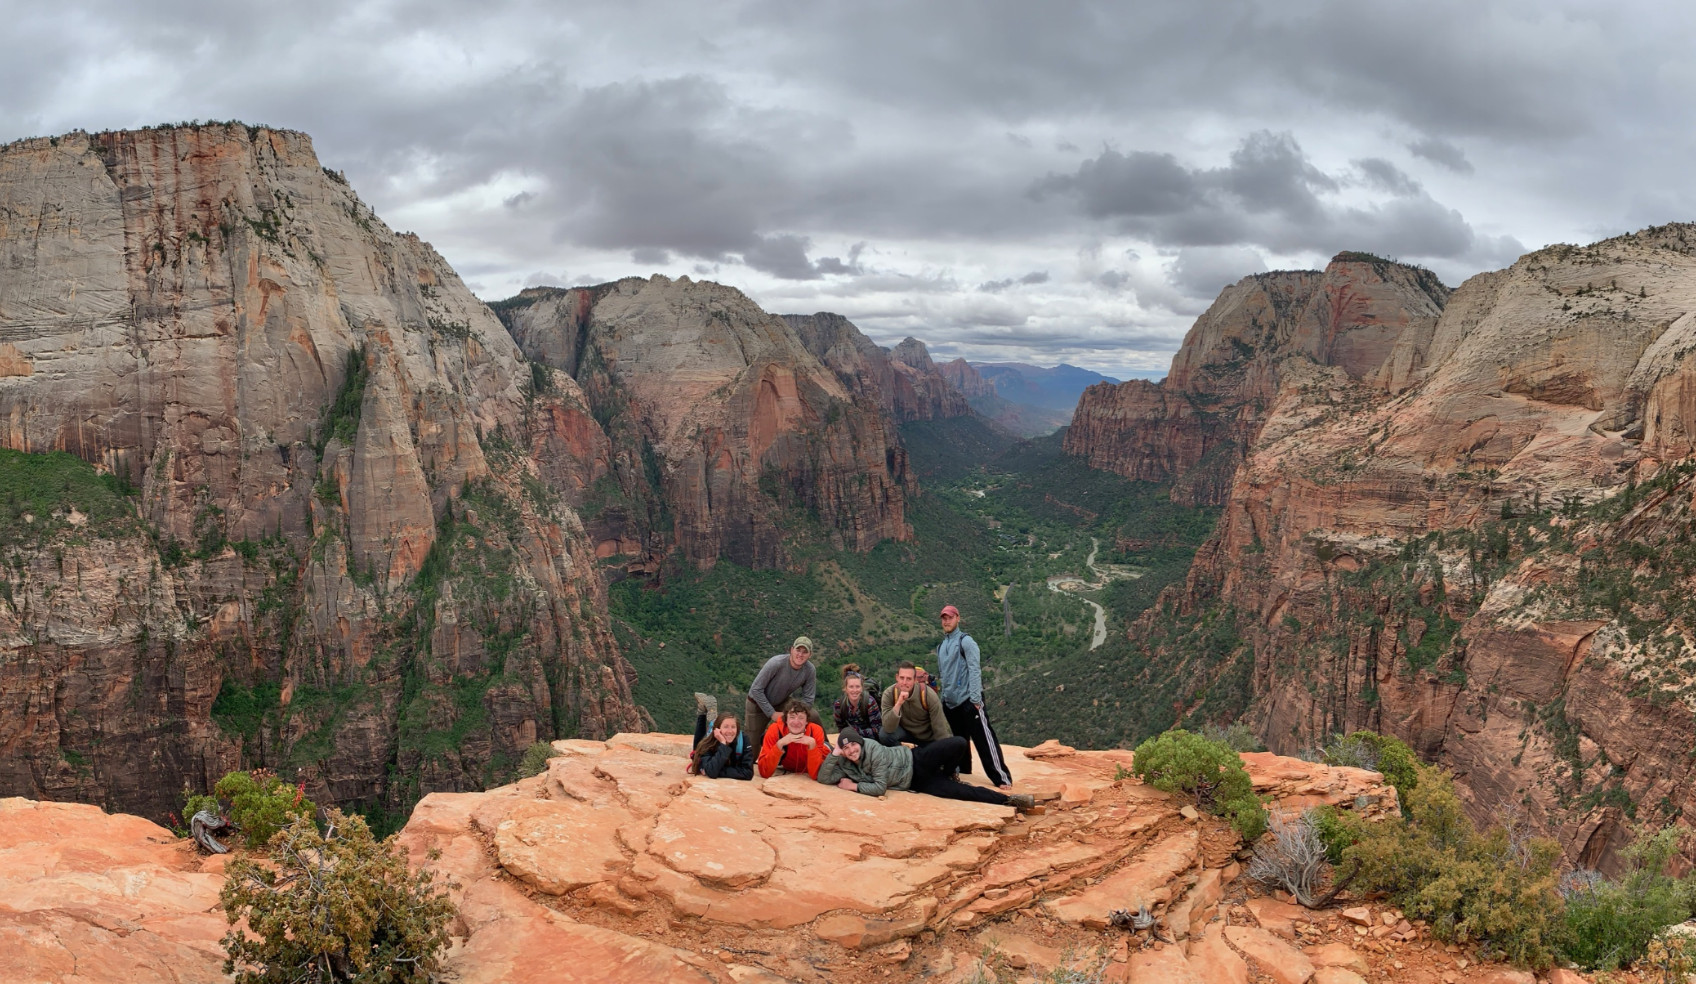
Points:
[(901, 698), (847, 784), (978, 704), (809, 739), (785, 740)]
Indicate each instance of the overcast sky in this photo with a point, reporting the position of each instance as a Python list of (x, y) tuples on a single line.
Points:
[(1009, 181)]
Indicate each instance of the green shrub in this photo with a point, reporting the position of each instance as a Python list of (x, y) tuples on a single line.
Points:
[(1335, 832), (535, 761), (259, 803), (1379, 753), (1208, 771), (1610, 924), (337, 906), (1497, 889), (1237, 735)]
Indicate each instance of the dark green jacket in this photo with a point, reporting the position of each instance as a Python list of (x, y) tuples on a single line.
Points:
[(881, 768)]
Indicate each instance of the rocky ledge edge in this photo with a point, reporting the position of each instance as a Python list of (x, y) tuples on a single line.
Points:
[(615, 866)]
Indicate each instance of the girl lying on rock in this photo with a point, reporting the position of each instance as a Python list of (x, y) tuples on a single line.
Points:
[(724, 752), (793, 743), (870, 768)]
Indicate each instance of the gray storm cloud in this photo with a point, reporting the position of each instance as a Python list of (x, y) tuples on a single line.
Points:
[(918, 166)]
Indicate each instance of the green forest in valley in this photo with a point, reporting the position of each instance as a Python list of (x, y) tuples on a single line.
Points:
[(994, 521)]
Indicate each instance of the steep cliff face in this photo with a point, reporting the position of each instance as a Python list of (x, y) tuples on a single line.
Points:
[(346, 553), (726, 420), (903, 380), (1469, 563), (1371, 318)]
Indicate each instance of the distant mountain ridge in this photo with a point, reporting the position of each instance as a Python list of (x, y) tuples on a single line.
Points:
[(1056, 388)]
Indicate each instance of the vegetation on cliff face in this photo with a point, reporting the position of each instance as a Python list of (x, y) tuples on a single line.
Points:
[(44, 495)]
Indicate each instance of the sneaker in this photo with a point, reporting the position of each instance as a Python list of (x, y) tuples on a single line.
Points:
[(707, 705), (1023, 802)]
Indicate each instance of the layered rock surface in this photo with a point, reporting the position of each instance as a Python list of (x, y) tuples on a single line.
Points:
[(724, 413), (903, 380), (1433, 554), (1370, 318), (349, 522), (615, 866)]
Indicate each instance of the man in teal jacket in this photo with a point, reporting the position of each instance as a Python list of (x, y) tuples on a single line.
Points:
[(870, 768), (962, 698)]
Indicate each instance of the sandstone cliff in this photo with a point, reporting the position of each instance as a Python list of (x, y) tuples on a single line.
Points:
[(1371, 318), (725, 423), (614, 866), (1467, 562), (347, 553), (903, 380)]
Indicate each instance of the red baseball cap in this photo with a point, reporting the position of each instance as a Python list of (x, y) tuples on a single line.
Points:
[(951, 610)]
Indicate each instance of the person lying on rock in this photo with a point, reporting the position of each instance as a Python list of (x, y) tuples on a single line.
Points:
[(724, 752), (784, 677), (793, 743), (912, 711), (871, 768), (857, 708)]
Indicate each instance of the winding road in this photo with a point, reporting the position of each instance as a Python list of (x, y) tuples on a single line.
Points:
[(1100, 635)]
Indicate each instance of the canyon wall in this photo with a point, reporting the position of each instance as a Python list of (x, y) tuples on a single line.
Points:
[(1478, 542), (903, 380), (1369, 317), (342, 545), (729, 422)]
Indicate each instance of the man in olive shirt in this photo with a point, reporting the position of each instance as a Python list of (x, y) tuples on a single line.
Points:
[(785, 675), (912, 711)]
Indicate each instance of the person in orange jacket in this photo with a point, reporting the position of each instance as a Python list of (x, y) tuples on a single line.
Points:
[(793, 744)]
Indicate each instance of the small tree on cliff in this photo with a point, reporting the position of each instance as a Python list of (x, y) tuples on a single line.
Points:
[(1210, 772), (332, 907)]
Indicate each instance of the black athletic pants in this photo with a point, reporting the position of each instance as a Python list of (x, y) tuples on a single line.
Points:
[(934, 766), (969, 721)]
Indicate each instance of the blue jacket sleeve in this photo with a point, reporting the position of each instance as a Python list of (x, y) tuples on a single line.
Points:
[(974, 672)]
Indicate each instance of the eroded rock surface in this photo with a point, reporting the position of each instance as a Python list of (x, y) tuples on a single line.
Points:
[(1370, 318), (614, 866), (351, 520), (727, 416), (1426, 548)]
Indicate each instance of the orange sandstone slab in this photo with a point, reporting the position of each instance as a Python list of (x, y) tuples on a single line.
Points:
[(1275, 958), (1148, 880)]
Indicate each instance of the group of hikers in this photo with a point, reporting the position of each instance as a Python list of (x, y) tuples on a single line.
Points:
[(913, 735)]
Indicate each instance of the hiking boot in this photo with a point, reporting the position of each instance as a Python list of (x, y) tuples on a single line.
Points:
[(1023, 802), (706, 704)]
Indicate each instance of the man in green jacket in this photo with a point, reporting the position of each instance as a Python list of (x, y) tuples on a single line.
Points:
[(872, 769), (912, 711)]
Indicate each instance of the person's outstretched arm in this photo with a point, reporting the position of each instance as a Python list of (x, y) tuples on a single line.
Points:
[(833, 770)]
